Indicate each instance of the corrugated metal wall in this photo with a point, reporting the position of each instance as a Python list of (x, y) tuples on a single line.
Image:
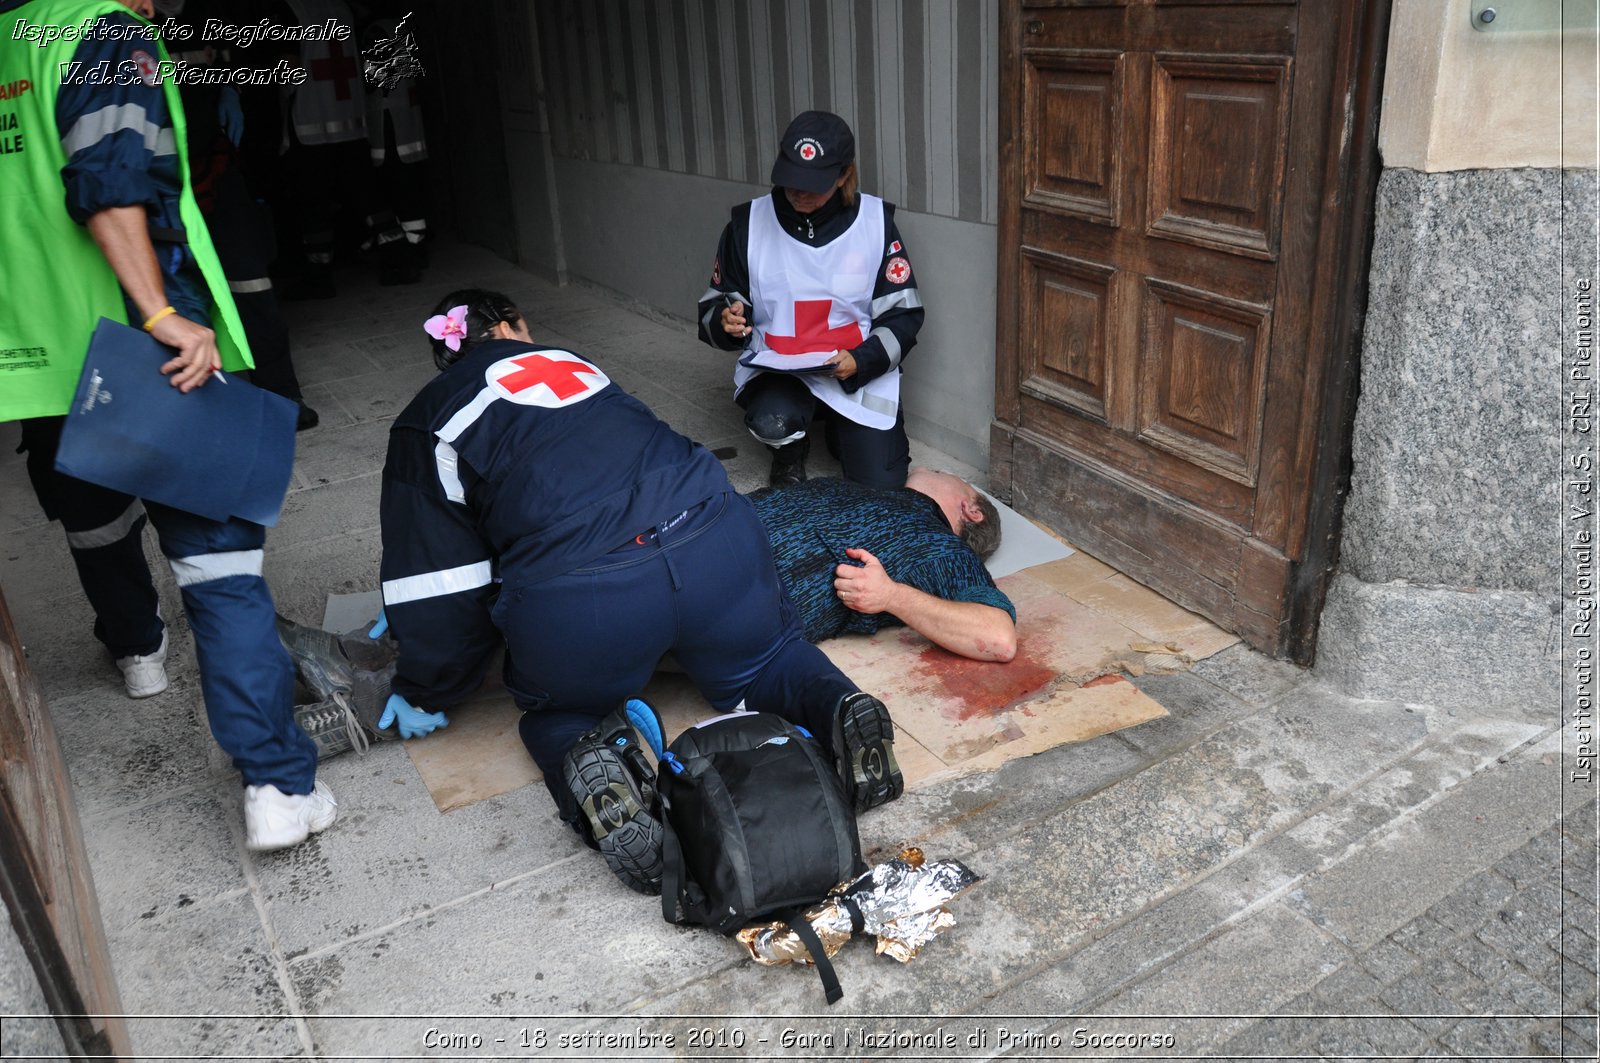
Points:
[(706, 86)]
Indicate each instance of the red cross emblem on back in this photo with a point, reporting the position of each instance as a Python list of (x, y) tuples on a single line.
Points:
[(338, 68), (812, 332), (551, 379)]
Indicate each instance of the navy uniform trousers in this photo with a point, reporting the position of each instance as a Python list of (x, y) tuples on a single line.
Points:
[(246, 676), (703, 588)]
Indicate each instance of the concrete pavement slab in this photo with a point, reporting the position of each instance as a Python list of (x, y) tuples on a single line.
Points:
[(217, 990), (328, 511), (177, 849), (567, 939), (1250, 968), (1367, 896), (393, 855)]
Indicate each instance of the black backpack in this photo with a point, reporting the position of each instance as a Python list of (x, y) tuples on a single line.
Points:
[(756, 826)]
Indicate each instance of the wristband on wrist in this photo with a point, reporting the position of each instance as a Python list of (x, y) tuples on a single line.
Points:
[(150, 322)]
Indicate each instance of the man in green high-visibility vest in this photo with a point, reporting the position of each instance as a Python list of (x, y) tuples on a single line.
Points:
[(100, 221)]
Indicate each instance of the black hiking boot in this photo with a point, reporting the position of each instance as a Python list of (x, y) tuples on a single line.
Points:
[(863, 744), (610, 778), (789, 463)]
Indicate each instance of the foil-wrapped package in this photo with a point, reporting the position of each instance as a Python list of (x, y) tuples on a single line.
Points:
[(901, 901)]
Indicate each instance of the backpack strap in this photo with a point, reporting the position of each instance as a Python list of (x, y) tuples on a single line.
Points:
[(794, 920), (671, 871), (677, 888)]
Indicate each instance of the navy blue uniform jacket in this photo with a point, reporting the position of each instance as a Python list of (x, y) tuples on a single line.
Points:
[(516, 464)]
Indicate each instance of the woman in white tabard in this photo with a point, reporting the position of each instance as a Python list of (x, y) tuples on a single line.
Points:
[(812, 283)]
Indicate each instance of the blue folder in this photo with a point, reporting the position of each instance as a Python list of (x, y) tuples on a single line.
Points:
[(223, 450)]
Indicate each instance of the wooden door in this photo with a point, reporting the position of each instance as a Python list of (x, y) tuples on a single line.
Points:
[(1185, 194), (46, 888)]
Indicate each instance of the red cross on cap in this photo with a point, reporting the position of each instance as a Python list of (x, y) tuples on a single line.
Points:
[(551, 379), (808, 152)]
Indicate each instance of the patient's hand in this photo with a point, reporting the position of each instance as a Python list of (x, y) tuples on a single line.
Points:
[(864, 587)]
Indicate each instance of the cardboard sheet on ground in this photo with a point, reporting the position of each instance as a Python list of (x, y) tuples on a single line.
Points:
[(478, 755), (1023, 543), (1083, 625)]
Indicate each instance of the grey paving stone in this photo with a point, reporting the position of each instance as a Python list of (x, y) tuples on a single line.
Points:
[(1554, 1041), (160, 746), (1387, 962), (333, 454), (1253, 967), (1423, 936), (1195, 707), (1287, 1035), (393, 855), (323, 363), (1368, 1037), (1150, 833), (1519, 934), (1367, 896), (62, 652), (1577, 982), (1469, 994), (1249, 676), (962, 815), (1421, 1004), (302, 576), (1582, 1028), (1525, 995), (223, 997), (1347, 991), (327, 511), (176, 849), (378, 396), (331, 413), (1577, 912), (1478, 899), (1534, 862), (1497, 1038), (562, 941), (1482, 959)]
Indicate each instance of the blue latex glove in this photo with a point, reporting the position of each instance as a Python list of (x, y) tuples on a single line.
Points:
[(380, 627), (414, 723), (230, 116)]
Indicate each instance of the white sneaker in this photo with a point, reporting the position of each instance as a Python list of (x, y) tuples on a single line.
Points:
[(146, 675), (276, 820)]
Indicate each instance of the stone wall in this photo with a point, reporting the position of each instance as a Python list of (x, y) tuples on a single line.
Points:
[(1449, 576)]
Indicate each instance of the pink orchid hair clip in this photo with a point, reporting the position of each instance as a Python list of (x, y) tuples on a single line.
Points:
[(451, 327)]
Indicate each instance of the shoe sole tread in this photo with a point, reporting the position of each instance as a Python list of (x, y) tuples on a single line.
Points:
[(863, 727), (632, 848)]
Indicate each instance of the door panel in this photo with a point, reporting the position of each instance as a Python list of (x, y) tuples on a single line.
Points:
[(1217, 153), (1175, 246)]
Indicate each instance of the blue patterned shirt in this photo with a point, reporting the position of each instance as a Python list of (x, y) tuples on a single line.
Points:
[(811, 525)]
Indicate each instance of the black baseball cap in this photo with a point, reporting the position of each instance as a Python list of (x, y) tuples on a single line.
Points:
[(814, 151)]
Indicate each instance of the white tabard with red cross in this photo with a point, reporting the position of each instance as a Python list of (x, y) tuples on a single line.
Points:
[(809, 299), (329, 107)]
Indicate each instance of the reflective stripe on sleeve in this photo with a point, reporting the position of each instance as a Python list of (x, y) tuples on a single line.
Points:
[(435, 584), (112, 532), (250, 287), (114, 118), (203, 568), (891, 344), (444, 452), (904, 299), (444, 456)]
